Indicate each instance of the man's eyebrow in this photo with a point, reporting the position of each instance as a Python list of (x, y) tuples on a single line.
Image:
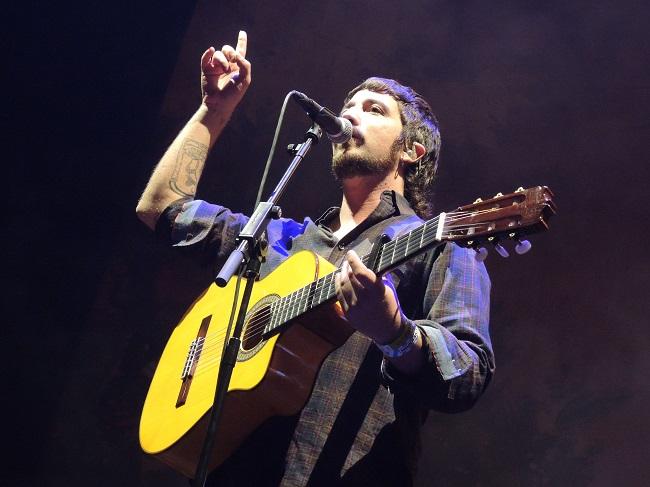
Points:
[(378, 102), (367, 100)]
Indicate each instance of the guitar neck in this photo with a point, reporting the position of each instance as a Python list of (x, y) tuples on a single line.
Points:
[(387, 257), (511, 216)]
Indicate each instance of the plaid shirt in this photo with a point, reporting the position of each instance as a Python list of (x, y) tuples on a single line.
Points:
[(361, 424)]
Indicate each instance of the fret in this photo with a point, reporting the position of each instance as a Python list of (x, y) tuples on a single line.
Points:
[(278, 313), (320, 293), (313, 288), (308, 294), (330, 285), (297, 303), (278, 319), (319, 290), (292, 305), (431, 235), (383, 254), (271, 324), (426, 236), (275, 319), (287, 308), (417, 233), (300, 299), (408, 241), (400, 243), (305, 297), (295, 306), (380, 256), (325, 288), (424, 229), (392, 255)]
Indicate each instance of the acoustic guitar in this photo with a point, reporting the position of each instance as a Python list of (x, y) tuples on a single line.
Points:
[(292, 324)]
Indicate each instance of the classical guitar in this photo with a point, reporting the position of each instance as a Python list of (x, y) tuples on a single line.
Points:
[(277, 363)]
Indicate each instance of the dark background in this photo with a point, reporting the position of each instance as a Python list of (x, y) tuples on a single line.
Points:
[(528, 93)]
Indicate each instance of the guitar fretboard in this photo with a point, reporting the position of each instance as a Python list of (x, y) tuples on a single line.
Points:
[(389, 256)]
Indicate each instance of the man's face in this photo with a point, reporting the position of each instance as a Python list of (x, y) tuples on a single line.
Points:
[(374, 147)]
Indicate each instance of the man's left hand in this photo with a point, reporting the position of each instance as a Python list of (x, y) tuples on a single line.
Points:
[(368, 301)]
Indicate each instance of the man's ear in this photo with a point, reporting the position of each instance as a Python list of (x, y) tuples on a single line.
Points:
[(414, 153)]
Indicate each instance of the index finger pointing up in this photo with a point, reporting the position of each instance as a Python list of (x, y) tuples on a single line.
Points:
[(242, 41)]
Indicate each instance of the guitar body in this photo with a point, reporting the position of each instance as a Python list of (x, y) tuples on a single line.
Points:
[(272, 377)]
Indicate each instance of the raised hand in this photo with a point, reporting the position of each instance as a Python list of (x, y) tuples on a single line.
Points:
[(225, 74)]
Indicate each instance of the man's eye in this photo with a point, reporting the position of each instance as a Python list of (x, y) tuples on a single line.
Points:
[(376, 109)]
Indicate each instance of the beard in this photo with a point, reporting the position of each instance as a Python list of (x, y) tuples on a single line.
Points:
[(347, 164)]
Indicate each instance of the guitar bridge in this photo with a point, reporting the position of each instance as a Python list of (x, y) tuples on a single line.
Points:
[(193, 355)]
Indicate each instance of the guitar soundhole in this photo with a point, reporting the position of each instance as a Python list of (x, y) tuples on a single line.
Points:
[(257, 320), (255, 327)]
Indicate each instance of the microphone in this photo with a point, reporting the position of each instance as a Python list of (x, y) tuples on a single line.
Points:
[(338, 129)]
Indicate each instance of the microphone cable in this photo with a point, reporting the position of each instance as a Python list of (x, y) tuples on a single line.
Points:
[(272, 150)]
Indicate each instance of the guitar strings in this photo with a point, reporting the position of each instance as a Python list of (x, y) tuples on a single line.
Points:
[(260, 321), (287, 303), (297, 298)]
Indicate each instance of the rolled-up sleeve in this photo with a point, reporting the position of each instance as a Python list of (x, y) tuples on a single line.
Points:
[(201, 228), (455, 331)]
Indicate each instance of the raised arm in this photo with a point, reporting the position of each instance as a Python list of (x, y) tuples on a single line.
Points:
[(225, 77)]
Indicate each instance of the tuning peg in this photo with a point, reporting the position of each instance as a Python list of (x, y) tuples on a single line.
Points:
[(498, 195), (522, 246), (520, 189), (478, 200), (481, 253), (501, 250)]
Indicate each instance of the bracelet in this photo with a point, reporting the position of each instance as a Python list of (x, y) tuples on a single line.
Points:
[(403, 343)]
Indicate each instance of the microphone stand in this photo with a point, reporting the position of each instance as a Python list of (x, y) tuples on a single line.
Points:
[(249, 254)]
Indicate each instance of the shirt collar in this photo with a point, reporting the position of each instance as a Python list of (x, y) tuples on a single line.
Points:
[(391, 203)]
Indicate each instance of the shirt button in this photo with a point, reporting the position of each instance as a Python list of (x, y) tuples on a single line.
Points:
[(341, 246)]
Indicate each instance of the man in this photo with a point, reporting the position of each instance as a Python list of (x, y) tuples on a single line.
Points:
[(422, 335)]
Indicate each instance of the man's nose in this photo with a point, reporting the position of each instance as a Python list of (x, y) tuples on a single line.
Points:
[(352, 117)]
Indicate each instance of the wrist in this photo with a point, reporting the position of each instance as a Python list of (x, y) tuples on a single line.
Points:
[(213, 119), (403, 343), (215, 104), (216, 110), (397, 328)]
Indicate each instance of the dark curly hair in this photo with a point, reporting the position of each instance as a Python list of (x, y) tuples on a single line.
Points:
[(419, 125)]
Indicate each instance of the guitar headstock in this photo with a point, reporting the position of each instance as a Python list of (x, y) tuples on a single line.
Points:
[(503, 217)]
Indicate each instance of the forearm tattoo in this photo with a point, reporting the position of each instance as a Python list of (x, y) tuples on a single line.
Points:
[(188, 167)]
